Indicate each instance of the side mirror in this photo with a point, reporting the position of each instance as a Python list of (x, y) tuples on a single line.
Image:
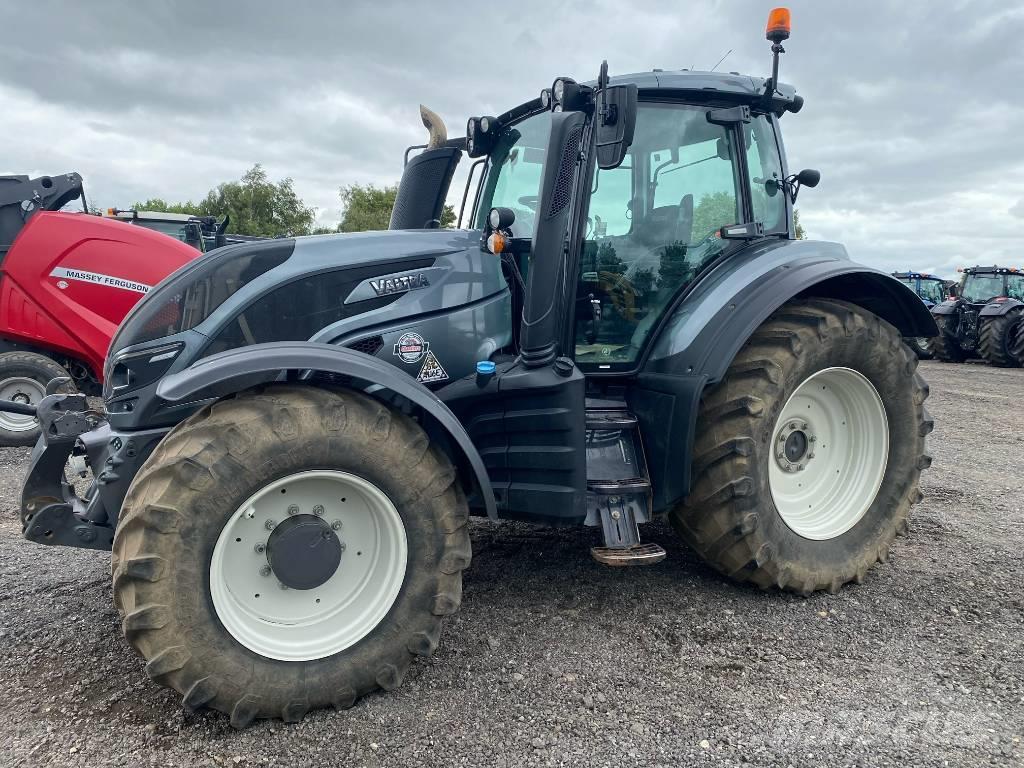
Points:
[(809, 177), (616, 121)]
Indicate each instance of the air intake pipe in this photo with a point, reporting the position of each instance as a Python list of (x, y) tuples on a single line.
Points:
[(540, 326)]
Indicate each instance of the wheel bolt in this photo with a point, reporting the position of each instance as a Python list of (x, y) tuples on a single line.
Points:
[(293, 509), (813, 439), (342, 545), (810, 456), (336, 525), (804, 425), (282, 586), (265, 570), (782, 437), (260, 548), (270, 525)]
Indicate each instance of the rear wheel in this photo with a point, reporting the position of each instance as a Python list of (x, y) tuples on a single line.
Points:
[(289, 549), (996, 338), (809, 452), (946, 346), (23, 379)]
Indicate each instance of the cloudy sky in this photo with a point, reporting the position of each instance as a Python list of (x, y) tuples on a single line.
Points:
[(913, 108)]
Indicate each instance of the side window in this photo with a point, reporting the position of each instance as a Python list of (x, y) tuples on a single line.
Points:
[(699, 178), (514, 172), (1015, 287), (765, 170)]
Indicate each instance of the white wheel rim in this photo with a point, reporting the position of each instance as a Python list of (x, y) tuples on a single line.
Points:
[(826, 491), (21, 389), (306, 624)]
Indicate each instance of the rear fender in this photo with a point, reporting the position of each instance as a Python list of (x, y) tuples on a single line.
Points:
[(239, 369), (698, 342), (997, 308)]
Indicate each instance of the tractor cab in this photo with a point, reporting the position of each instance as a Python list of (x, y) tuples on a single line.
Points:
[(932, 289)]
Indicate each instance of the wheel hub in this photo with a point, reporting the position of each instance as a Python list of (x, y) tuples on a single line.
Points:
[(21, 397), (304, 552), (795, 441)]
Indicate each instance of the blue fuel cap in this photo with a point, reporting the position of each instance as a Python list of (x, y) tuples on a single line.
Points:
[(486, 367)]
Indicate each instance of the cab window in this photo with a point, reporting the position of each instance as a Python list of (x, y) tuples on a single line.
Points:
[(765, 168), (652, 226), (514, 173)]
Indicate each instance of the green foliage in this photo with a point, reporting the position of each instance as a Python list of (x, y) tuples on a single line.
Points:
[(367, 208), (256, 205), (713, 212), (800, 233)]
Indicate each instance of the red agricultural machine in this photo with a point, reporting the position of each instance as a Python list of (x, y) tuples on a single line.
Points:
[(66, 282)]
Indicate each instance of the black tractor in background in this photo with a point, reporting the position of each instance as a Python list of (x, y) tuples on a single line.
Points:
[(983, 319), (932, 290)]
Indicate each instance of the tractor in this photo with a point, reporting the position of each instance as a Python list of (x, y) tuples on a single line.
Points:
[(932, 290), (983, 319), (67, 279), (295, 432)]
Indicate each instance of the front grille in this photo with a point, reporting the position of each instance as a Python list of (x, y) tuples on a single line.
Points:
[(371, 345)]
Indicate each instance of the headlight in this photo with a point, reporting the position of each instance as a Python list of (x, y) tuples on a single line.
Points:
[(559, 90), (545, 98), (485, 124), (134, 370)]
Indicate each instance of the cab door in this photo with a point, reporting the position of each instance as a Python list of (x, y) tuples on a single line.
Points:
[(653, 223)]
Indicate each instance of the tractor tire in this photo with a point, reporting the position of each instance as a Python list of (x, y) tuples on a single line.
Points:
[(23, 377), (195, 549), (996, 337), (920, 346), (945, 346), (745, 514), (1017, 343)]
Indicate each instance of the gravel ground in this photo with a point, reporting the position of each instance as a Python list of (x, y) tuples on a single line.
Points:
[(555, 660)]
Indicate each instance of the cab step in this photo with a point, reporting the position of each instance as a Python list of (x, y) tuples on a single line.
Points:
[(638, 554), (618, 487)]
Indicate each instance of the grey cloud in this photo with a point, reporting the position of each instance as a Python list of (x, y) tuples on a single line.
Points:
[(911, 111)]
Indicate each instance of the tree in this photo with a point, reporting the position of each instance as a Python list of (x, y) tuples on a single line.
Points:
[(256, 205), (368, 208), (797, 227), (713, 212)]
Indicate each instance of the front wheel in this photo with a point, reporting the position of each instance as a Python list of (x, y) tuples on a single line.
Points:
[(921, 346), (809, 452), (289, 549), (946, 345), (23, 379)]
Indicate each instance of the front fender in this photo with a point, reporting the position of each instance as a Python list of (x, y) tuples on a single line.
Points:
[(997, 308), (239, 369)]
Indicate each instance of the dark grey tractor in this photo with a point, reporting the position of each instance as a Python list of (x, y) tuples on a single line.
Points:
[(295, 432), (984, 318), (932, 290)]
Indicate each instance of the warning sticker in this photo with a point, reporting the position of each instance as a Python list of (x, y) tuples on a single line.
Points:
[(431, 370)]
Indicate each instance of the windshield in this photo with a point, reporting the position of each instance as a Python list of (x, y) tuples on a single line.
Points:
[(982, 288), (186, 231), (929, 289)]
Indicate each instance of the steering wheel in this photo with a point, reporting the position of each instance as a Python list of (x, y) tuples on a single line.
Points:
[(530, 201)]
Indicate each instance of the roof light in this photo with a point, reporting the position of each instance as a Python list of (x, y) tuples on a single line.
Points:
[(778, 25)]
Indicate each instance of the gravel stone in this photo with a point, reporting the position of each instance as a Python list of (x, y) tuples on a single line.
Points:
[(883, 674)]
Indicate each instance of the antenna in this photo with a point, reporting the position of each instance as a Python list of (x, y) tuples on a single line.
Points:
[(721, 60)]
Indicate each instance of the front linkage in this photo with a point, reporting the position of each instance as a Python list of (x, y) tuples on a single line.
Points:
[(51, 510)]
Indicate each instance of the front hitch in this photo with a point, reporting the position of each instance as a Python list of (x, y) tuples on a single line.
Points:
[(51, 512)]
